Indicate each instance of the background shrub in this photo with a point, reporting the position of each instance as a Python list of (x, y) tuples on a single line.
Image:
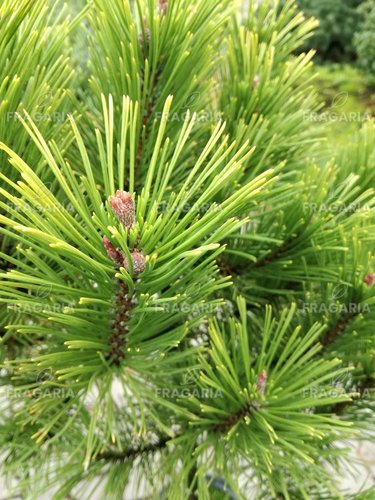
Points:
[(339, 20), (364, 39)]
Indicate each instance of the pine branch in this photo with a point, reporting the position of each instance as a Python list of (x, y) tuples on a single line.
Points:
[(367, 383), (119, 275), (338, 328), (117, 340), (123, 207), (133, 453), (343, 322)]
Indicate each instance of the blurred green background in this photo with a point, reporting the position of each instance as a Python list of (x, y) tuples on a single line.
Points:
[(345, 64)]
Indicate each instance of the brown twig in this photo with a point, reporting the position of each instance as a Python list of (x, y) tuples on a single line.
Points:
[(338, 328), (132, 453)]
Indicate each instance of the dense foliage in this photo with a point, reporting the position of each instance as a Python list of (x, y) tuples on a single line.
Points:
[(187, 299)]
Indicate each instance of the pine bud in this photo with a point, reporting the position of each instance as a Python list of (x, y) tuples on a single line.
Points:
[(256, 80), (163, 5), (123, 207), (112, 252), (138, 263), (369, 279), (261, 382)]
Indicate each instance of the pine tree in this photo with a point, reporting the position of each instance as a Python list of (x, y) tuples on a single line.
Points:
[(187, 299)]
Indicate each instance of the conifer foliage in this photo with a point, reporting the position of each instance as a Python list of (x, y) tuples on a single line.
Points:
[(187, 300)]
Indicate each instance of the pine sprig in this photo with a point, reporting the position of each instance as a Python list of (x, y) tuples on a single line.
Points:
[(100, 311), (149, 56), (260, 55), (34, 32), (264, 410)]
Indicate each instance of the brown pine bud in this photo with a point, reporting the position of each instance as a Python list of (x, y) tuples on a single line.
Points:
[(163, 5), (256, 81), (369, 279), (261, 382), (138, 263), (112, 252), (123, 207)]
